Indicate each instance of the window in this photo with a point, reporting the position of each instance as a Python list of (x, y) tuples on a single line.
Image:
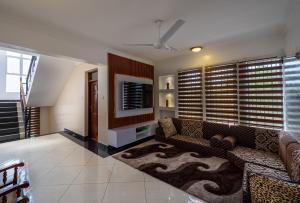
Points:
[(190, 94), (221, 93), (248, 93), (17, 67), (261, 93), (292, 94)]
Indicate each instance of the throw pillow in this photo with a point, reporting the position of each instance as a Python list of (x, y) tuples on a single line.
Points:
[(192, 128), (267, 140), (267, 189), (216, 140), (228, 143), (168, 127)]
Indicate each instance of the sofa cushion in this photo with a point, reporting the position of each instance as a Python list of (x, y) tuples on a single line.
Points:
[(240, 155), (190, 139), (293, 161), (284, 140), (266, 189), (216, 140), (251, 169), (245, 135), (211, 129), (168, 127), (192, 128), (266, 140)]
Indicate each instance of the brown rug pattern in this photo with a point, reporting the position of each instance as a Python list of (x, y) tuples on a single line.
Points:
[(210, 178)]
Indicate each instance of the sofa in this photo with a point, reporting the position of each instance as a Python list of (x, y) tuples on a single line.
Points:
[(257, 151)]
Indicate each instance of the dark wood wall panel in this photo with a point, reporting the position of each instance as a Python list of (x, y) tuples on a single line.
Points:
[(122, 65)]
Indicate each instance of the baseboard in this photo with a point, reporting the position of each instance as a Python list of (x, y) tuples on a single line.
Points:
[(76, 135)]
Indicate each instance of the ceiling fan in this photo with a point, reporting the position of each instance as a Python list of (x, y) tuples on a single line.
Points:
[(162, 40)]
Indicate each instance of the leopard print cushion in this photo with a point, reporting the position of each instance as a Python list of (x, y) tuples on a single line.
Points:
[(168, 127), (192, 128), (245, 154), (266, 189), (267, 140), (253, 169)]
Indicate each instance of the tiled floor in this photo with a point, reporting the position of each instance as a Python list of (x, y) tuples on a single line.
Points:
[(63, 171)]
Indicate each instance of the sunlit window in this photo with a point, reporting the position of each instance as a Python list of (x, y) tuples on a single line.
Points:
[(17, 66)]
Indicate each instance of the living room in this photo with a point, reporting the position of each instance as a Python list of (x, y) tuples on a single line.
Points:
[(193, 101)]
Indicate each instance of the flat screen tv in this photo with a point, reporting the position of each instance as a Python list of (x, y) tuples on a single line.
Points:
[(136, 95)]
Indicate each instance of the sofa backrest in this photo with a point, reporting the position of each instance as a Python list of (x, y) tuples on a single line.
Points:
[(210, 129), (256, 138), (289, 151)]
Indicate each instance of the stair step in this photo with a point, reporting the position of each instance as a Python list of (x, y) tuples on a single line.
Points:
[(10, 137), (8, 104), (9, 119), (8, 109), (9, 114), (9, 131), (10, 125)]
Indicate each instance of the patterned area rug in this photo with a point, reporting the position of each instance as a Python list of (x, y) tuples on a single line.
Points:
[(207, 177)]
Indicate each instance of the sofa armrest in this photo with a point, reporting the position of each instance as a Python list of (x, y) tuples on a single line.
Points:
[(159, 134)]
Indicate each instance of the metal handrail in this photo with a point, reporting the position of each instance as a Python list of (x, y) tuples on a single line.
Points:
[(30, 72)]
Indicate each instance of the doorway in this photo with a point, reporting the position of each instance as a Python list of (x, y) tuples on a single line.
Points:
[(93, 105)]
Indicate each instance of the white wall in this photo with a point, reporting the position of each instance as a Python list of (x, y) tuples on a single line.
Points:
[(292, 38), (69, 109), (49, 80), (249, 46)]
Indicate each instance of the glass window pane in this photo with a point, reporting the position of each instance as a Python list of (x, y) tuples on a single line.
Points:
[(24, 78), (26, 64), (13, 65), (10, 53), (25, 56), (12, 83)]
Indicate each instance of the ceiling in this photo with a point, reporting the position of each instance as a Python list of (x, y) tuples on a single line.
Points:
[(116, 22)]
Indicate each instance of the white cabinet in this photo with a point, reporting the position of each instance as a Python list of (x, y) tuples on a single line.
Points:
[(118, 137)]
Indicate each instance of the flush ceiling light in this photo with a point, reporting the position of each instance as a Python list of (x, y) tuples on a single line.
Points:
[(196, 49)]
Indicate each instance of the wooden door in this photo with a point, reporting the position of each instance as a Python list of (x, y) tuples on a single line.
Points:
[(93, 110)]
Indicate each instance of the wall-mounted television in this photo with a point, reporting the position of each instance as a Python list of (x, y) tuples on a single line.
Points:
[(136, 95)]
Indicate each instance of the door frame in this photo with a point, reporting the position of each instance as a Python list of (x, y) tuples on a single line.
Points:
[(88, 82)]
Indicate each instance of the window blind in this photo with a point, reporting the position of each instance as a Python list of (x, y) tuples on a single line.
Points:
[(261, 93), (221, 93), (190, 94), (292, 94)]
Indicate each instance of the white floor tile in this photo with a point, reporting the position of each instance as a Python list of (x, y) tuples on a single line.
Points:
[(94, 174), (124, 173), (125, 192), (84, 193), (160, 192), (60, 175), (47, 194)]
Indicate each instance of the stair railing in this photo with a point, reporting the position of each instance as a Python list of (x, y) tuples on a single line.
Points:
[(31, 71), (23, 94)]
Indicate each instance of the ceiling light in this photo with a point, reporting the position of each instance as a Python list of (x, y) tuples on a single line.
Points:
[(196, 49)]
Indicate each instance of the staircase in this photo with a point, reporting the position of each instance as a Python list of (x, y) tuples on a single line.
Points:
[(11, 121)]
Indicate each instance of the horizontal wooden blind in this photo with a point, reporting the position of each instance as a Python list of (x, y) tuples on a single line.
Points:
[(292, 94), (190, 94), (221, 93), (261, 93)]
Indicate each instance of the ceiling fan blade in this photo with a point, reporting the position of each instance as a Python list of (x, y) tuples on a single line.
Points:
[(169, 48), (144, 45), (171, 31)]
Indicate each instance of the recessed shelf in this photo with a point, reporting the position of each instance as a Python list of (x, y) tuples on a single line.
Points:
[(167, 90), (162, 108)]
